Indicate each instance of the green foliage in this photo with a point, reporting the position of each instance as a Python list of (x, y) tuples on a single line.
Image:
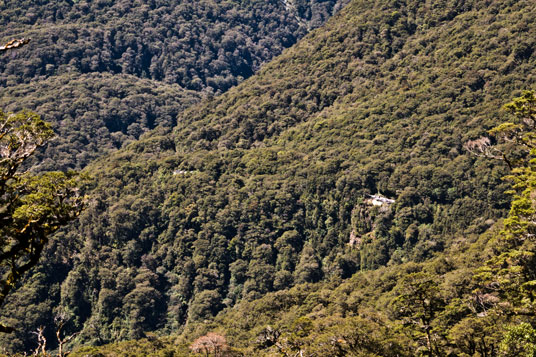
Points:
[(32, 207), (449, 305), (519, 340), (510, 273), (257, 200), (105, 72), (95, 113), (418, 303), (196, 45), (151, 345), (475, 335)]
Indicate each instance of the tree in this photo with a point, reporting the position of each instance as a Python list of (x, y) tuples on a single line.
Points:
[(418, 303), (476, 335), (32, 206), (514, 139), (61, 319), (210, 343), (510, 273), (508, 278)]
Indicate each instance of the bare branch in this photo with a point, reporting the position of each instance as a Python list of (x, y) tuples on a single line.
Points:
[(41, 342), (61, 319), (482, 147), (16, 43)]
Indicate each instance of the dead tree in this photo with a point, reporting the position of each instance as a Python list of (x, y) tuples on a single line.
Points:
[(41, 342), (61, 319)]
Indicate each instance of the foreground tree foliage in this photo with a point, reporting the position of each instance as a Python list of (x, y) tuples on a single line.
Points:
[(32, 206), (508, 280)]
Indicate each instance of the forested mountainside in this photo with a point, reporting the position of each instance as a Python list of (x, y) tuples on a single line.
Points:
[(265, 188), (95, 113), (84, 53)]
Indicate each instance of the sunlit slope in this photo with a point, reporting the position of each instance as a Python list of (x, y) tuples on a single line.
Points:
[(264, 187), (85, 56)]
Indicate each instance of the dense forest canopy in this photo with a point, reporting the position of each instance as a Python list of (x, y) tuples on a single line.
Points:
[(104, 72), (96, 113), (259, 199), (32, 207), (476, 298)]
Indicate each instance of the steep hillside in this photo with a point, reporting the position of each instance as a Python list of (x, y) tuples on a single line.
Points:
[(96, 113), (266, 186), (78, 48), (355, 317), (196, 45)]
